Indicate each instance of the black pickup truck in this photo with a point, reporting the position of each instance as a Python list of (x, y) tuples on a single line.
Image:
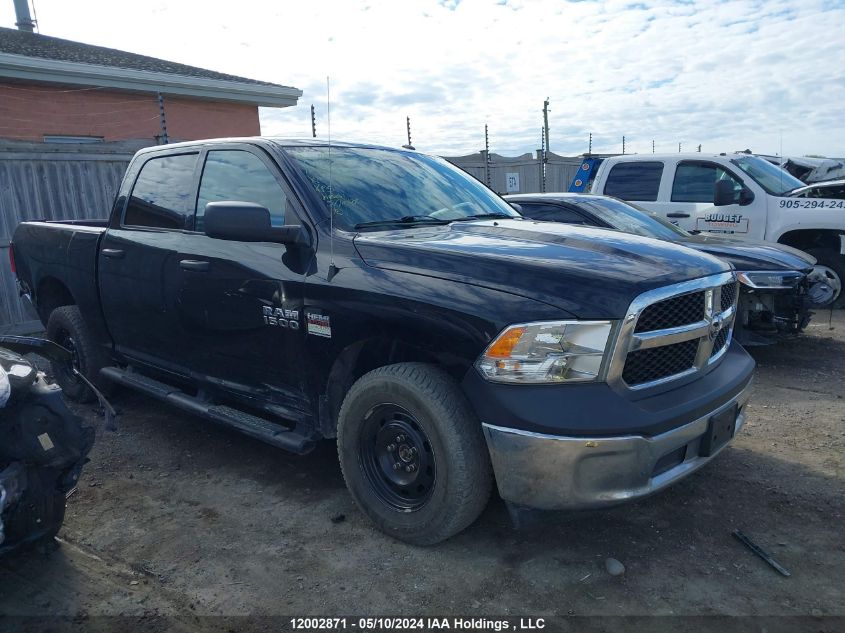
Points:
[(299, 291)]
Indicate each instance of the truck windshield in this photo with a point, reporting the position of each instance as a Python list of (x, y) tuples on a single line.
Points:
[(774, 180), (630, 218), (374, 188)]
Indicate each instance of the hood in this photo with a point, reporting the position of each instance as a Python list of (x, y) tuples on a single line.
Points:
[(751, 254), (588, 272)]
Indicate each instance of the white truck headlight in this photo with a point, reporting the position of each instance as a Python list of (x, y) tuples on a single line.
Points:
[(774, 280), (548, 352)]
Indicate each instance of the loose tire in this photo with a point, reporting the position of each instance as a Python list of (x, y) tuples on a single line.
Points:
[(67, 328), (831, 264), (413, 454)]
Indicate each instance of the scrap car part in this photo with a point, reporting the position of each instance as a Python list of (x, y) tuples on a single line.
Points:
[(43, 446)]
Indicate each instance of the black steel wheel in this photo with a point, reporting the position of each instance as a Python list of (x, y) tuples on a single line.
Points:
[(397, 457), (412, 453)]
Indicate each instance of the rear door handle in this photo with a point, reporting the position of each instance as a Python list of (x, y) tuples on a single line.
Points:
[(196, 266), (113, 253), (677, 215)]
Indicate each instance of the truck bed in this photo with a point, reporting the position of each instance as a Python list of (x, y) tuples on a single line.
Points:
[(52, 254)]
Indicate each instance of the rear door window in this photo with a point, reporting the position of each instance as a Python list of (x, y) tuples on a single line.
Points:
[(634, 181), (162, 192), (240, 176), (695, 181)]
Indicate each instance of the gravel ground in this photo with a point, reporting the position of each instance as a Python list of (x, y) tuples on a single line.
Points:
[(174, 516)]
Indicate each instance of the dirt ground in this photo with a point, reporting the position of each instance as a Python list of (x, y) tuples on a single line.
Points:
[(175, 516)]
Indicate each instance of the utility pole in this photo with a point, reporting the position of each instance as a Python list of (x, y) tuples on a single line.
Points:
[(623, 145), (486, 156), (313, 122), (408, 122), (699, 148), (590, 147), (162, 120), (546, 123), (652, 146), (679, 148), (543, 159)]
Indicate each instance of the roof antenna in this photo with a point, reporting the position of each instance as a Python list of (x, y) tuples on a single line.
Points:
[(333, 270)]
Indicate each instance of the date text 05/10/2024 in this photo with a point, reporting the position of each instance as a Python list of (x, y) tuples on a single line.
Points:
[(417, 624)]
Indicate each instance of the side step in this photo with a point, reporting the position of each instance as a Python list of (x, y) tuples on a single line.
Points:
[(252, 425)]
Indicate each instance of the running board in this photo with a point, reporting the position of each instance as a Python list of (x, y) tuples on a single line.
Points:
[(252, 425)]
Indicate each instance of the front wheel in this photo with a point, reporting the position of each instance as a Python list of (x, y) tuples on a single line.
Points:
[(413, 454)]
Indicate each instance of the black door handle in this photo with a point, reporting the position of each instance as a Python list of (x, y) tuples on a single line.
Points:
[(113, 253), (194, 265), (677, 215)]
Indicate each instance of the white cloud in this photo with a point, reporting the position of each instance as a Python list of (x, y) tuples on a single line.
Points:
[(727, 75)]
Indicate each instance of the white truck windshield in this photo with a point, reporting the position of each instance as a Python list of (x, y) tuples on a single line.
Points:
[(774, 180)]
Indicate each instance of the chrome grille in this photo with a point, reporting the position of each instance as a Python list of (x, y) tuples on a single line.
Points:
[(674, 331), (720, 341), (728, 295), (658, 362), (673, 312)]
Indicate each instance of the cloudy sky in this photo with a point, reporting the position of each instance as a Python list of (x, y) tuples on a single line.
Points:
[(727, 75)]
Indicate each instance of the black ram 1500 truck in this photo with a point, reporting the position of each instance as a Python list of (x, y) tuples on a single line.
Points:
[(299, 291)]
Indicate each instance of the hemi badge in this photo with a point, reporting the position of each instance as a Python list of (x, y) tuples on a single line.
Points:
[(319, 325)]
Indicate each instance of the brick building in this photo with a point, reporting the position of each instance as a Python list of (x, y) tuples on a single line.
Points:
[(71, 115), (54, 90)]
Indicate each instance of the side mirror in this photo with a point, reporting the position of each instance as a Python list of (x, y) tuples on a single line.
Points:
[(723, 193), (248, 222), (516, 207), (746, 196)]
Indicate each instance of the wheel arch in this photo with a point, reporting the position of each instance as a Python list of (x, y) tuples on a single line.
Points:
[(363, 356), (51, 294), (806, 239)]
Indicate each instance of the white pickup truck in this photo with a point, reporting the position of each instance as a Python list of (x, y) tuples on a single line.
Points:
[(739, 194)]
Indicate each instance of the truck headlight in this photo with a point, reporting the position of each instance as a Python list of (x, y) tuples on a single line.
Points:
[(548, 352), (775, 280)]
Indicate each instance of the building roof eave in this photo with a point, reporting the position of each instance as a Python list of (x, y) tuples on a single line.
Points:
[(35, 69)]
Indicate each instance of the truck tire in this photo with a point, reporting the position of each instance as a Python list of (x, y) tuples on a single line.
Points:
[(67, 328), (412, 453), (831, 265)]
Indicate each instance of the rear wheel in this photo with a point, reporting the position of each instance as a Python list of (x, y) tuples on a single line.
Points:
[(67, 328), (830, 269), (413, 454)]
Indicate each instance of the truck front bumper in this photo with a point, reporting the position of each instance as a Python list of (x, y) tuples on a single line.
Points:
[(562, 472)]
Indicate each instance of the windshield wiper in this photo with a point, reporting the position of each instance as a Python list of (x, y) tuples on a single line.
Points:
[(483, 216), (408, 220)]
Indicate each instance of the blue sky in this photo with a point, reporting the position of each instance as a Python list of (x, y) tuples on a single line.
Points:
[(727, 75)]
